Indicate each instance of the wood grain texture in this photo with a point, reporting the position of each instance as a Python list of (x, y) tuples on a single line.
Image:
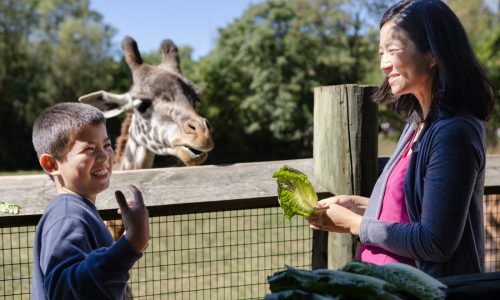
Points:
[(344, 153), (168, 190), (492, 177)]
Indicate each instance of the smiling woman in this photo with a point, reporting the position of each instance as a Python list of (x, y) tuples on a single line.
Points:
[(426, 207), (408, 71)]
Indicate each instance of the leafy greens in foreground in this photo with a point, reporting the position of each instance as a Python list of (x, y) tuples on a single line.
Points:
[(296, 194)]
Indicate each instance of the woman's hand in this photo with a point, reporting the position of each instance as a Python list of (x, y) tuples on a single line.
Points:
[(356, 204), (339, 214)]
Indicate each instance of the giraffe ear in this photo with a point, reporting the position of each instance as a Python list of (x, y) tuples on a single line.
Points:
[(169, 56), (110, 104), (132, 56)]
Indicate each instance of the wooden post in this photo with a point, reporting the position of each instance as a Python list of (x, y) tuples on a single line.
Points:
[(345, 156)]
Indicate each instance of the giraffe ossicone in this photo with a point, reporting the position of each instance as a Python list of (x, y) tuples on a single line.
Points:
[(160, 107)]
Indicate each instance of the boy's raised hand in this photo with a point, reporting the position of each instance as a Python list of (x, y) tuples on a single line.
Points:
[(135, 219)]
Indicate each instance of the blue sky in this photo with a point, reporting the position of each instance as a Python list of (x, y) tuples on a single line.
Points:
[(186, 22)]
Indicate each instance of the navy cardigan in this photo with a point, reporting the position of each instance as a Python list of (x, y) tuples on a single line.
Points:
[(444, 188)]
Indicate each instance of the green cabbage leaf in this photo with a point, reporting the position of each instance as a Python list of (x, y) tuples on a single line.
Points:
[(296, 194)]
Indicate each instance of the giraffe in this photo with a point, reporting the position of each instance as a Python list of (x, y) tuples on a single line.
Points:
[(160, 114), (161, 117)]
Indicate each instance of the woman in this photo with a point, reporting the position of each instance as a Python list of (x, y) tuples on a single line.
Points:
[(426, 207)]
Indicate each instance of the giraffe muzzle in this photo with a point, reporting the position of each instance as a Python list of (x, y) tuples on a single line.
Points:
[(190, 156)]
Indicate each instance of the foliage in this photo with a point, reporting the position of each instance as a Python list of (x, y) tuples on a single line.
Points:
[(482, 26), (52, 51), (329, 283), (488, 51), (356, 280), (257, 84), (296, 194), (407, 279)]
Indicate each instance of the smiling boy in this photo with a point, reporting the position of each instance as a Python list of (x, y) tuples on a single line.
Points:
[(75, 256)]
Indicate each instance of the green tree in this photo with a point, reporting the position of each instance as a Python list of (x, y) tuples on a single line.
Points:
[(72, 46), (52, 51), (488, 51), (482, 25), (258, 82), (16, 21), (476, 16)]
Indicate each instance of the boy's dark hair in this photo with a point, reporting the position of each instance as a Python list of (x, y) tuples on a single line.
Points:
[(460, 83), (55, 129)]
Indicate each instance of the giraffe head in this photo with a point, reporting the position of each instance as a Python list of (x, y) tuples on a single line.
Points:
[(161, 103)]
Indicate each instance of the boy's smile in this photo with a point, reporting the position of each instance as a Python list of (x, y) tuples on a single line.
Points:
[(86, 169)]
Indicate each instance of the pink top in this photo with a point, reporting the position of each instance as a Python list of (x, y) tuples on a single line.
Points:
[(393, 210)]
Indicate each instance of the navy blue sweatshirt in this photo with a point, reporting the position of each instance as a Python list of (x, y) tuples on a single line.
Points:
[(75, 256)]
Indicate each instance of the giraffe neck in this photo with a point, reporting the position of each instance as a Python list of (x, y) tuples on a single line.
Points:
[(130, 155)]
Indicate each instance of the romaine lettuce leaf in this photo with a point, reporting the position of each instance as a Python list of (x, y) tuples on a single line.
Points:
[(296, 194)]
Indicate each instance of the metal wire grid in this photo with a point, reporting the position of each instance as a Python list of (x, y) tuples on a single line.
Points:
[(491, 204), (219, 255), (16, 261)]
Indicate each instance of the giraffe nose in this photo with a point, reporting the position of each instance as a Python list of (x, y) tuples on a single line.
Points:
[(207, 125), (198, 125)]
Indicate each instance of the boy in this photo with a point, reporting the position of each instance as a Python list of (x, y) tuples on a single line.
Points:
[(75, 256)]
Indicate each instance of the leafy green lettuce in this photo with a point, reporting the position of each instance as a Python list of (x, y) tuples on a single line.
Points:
[(296, 194), (9, 208)]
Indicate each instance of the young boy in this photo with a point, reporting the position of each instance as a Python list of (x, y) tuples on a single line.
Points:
[(75, 256)]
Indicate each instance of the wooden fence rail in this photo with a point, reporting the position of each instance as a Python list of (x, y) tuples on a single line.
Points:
[(167, 191), (170, 191)]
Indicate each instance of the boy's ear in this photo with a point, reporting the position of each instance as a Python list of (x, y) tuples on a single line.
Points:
[(49, 164)]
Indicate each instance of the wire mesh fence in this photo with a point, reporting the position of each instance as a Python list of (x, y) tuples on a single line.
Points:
[(491, 205), (216, 255), (220, 255), (16, 261)]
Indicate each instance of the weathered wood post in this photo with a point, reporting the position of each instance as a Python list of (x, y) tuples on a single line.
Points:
[(345, 158)]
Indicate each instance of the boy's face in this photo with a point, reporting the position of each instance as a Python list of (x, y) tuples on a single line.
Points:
[(87, 168)]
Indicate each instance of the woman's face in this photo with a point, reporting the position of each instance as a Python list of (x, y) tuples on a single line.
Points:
[(408, 71)]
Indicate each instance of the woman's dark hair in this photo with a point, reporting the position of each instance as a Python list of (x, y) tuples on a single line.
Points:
[(461, 83)]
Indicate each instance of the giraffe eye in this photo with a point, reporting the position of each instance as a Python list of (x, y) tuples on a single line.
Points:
[(142, 104)]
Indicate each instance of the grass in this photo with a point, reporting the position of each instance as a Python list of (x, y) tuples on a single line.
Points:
[(21, 172), (220, 255), (224, 255)]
